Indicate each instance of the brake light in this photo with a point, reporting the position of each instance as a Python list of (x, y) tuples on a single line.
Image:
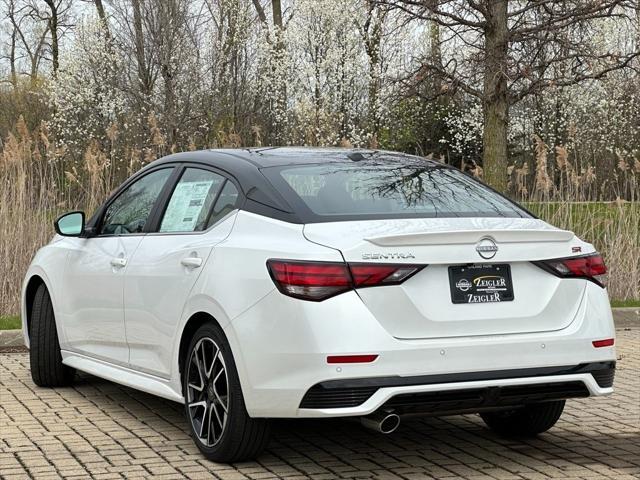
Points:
[(591, 267), (310, 280), (320, 280)]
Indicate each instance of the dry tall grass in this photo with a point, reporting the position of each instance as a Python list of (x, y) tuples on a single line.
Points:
[(38, 182), (29, 199), (566, 195)]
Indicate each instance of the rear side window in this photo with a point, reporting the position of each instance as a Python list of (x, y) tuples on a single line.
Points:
[(225, 203), (191, 201), (389, 189)]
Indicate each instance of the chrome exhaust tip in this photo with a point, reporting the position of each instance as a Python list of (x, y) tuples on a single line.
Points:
[(382, 422)]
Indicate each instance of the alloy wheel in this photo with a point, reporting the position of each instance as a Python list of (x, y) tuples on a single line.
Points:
[(207, 392)]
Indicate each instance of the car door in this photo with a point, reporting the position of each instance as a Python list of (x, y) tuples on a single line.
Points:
[(92, 303), (168, 262)]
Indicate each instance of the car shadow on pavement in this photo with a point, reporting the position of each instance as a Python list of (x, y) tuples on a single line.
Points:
[(584, 442)]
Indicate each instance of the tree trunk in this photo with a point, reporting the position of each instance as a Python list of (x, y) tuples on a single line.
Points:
[(278, 104), (435, 99), (435, 49), (277, 13), (53, 27), (260, 11), (169, 12), (12, 60), (103, 18), (13, 75), (495, 96), (374, 80), (342, 95), (143, 73), (638, 31), (281, 94), (372, 33)]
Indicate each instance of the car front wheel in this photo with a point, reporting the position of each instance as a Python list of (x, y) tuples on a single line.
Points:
[(527, 421), (214, 405), (47, 369)]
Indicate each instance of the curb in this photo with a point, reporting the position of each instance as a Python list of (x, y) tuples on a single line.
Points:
[(11, 338), (628, 317), (623, 318)]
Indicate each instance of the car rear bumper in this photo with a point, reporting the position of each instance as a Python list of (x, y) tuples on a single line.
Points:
[(281, 347), (457, 393), (468, 397)]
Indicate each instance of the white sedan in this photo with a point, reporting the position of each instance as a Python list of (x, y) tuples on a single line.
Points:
[(289, 282)]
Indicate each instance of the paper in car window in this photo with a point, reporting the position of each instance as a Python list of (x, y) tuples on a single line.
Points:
[(185, 206)]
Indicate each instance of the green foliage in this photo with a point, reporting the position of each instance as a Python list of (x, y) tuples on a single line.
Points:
[(417, 125), (592, 221), (625, 303), (10, 323)]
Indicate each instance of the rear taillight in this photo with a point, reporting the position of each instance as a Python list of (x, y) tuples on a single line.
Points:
[(372, 275), (320, 280), (591, 267), (310, 280)]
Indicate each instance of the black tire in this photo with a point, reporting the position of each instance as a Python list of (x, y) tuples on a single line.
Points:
[(527, 421), (242, 437), (45, 359)]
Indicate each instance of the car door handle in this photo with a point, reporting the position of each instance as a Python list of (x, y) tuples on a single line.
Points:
[(118, 262), (191, 262)]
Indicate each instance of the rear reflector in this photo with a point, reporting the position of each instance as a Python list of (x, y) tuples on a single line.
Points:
[(591, 267), (320, 280), (351, 358), (608, 342)]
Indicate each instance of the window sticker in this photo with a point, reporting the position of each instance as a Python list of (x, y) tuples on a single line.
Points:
[(185, 206)]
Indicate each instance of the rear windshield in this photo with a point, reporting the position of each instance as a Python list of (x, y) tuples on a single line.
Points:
[(372, 190)]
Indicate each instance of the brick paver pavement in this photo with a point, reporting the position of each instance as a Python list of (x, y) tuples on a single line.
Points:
[(100, 430)]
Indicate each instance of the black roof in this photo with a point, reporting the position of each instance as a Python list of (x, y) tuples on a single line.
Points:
[(251, 169), (262, 157), (245, 165)]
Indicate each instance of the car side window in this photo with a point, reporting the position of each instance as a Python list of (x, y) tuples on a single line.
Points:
[(191, 201), (129, 212), (226, 203)]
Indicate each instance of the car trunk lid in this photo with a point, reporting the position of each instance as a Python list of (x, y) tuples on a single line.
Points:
[(422, 307)]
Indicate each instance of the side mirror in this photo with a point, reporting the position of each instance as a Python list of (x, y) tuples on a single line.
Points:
[(70, 224)]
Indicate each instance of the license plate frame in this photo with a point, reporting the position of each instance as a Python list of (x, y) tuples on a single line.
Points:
[(481, 283)]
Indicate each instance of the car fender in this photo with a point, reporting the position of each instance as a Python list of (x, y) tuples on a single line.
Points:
[(37, 270), (195, 304)]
